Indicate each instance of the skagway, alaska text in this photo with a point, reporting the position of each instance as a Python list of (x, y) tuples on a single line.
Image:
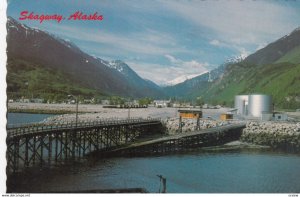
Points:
[(77, 16)]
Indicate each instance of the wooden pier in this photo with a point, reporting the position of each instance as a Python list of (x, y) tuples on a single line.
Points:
[(45, 145), (39, 144), (180, 142)]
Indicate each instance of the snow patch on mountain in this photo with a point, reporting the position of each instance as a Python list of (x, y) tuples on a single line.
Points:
[(236, 59), (182, 78), (116, 65)]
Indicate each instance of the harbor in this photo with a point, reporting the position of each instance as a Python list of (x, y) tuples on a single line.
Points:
[(193, 140)]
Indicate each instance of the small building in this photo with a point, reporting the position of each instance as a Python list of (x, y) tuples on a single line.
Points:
[(24, 100), (190, 113), (131, 104), (280, 116), (275, 116), (266, 116), (37, 100), (226, 116), (89, 101), (105, 102), (176, 105), (162, 103)]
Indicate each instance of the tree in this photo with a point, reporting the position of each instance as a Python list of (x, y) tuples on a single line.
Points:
[(199, 101), (145, 101)]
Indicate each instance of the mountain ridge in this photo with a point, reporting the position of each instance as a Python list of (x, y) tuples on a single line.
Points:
[(51, 52), (270, 70), (274, 70)]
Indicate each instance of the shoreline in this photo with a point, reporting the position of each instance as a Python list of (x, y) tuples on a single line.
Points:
[(277, 134), (90, 112), (39, 111)]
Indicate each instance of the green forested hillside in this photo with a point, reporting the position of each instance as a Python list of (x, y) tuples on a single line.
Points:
[(54, 66), (34, 81), (281, 80), (293, 56)]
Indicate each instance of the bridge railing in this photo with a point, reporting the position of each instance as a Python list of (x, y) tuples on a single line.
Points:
[(42, 127)]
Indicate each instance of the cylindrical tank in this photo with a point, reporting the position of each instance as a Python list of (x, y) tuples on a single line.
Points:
[(240, 103), (259, 103)]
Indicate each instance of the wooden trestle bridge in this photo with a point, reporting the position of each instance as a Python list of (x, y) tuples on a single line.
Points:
[(180, 142), (40, 144)]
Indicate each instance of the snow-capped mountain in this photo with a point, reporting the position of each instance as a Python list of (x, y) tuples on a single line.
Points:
[(235, 59), (118, 65), (54, 54), (181, 79), (131, 75)]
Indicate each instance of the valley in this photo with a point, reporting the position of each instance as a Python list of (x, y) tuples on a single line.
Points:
[(51, 68)]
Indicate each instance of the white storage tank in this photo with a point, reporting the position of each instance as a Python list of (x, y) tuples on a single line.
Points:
[(241, 104), (258, 104)]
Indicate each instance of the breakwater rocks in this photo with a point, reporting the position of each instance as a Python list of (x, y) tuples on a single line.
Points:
[(189, 125), (275, 134)]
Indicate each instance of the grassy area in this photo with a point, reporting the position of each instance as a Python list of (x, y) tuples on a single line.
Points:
[(34, 81), (281, 80)]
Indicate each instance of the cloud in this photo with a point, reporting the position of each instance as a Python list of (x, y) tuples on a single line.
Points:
[(238, 22), (163, 74), (148, 42), (164, 40), (215, 43), (172, 59), (181, 79), (157, 73), (192, 65), (178, 71)]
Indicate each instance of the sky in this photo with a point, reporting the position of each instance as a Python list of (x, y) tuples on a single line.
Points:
[(167, 40)]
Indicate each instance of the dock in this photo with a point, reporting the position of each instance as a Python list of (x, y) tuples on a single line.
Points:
[(46, 145), (180, 142)]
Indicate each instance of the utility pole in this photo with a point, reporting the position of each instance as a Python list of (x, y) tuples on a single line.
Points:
[(76, 111), (180, 123), (198, 123), (129, 112), (163, 180), (77, 102)]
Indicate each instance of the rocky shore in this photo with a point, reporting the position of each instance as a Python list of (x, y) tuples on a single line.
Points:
[(172, 124), (283, 135)]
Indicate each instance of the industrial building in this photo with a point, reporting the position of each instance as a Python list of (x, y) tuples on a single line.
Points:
[(241, 104), (259, 103), (254, 105)]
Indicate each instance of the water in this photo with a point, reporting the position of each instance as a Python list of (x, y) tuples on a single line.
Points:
[(237, 170), (23, 118), (234, 171)]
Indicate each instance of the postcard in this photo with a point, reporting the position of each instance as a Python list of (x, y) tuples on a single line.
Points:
[(162, 96)]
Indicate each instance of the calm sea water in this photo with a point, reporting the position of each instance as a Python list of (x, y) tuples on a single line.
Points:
[(237, 170), (23, 118)]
